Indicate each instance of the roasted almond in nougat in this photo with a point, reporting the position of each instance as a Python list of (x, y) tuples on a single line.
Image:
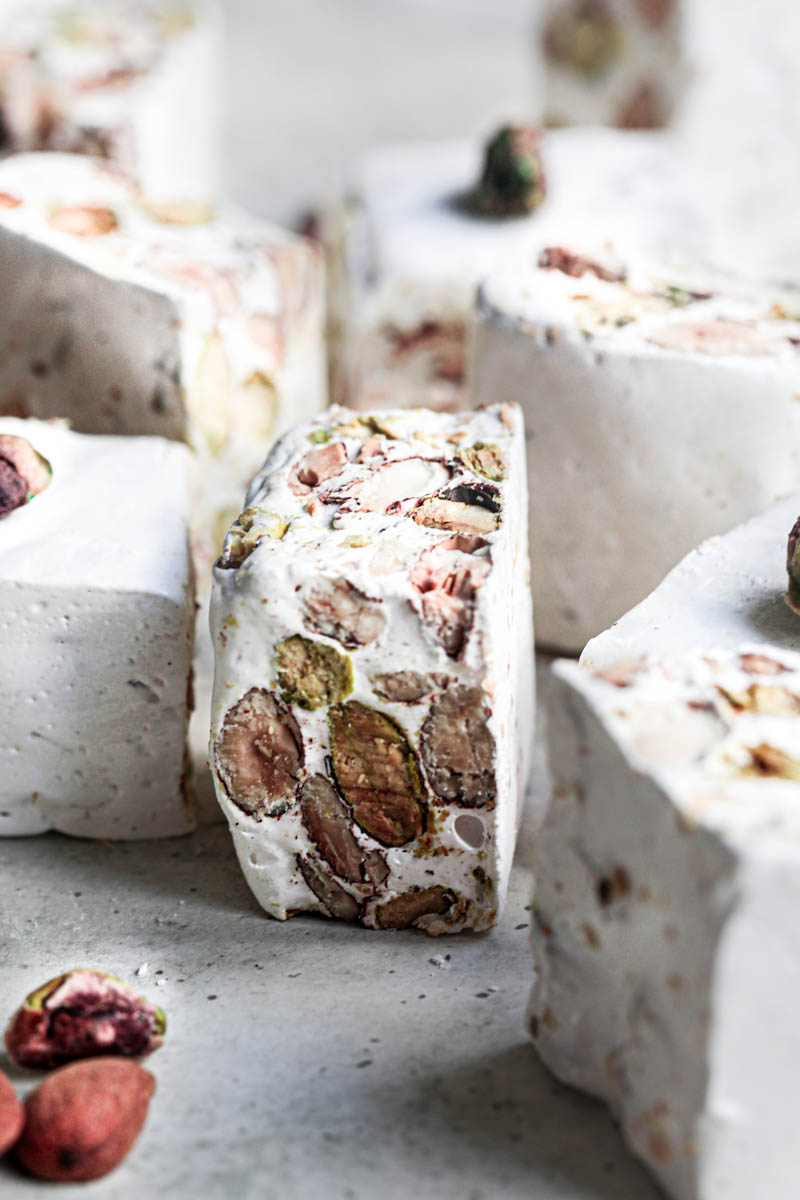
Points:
[(373, 705)]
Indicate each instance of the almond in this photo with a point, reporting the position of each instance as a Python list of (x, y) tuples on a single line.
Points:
[(82, 1120)]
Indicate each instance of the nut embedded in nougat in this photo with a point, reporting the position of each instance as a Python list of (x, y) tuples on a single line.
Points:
[(487, 459), (331, 895), (328, 821), (376, 771), (81, 1014), (462, 509), (259, 753), (407, 909), (793, 567), (312, 674), (12, 1115), (245, 534), (513, 181), (337, 609), (23, 473), (457, 748)]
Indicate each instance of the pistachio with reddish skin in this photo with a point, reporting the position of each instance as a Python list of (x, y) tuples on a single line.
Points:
[(410, 907), (337, 609), (448, 582), (457, 748), (559, 258), (311, 674), (513, 181), (328, 821), (376, 771), (316, 466), (331, 895), (82, 1120), (584, 36), (23, 473), (84, 220), (81, 1014), (407, 687), (259, 753), (793, 567), (12, 1115)]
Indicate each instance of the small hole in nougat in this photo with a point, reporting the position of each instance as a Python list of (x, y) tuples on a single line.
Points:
[(469, 830)]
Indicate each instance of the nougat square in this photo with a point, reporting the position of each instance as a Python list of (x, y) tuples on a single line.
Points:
[(373, 707), (96, 633)]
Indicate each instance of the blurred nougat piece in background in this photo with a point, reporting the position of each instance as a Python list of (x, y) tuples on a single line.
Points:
[(135, 82), (740, 125), (610, 62)]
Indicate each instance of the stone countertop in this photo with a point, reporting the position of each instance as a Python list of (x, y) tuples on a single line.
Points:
[(307, 1059)]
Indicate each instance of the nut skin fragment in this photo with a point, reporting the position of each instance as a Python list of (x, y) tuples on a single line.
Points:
[(793, 567), (312, 674), (82, 1014), (407, 687), (331, 895), (328, 821), (407, 909), (376, 771), (337, 609), (12, 1115), (559, 258), (457, 748), (259, 753), (84, 220), (512, 183), (82, 1120), (316, 466)]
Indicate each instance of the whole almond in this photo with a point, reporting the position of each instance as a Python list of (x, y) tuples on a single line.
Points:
[(82, 1120), (12, 1114)]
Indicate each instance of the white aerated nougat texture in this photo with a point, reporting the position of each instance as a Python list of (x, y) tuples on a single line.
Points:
[(408, 249), (373, 709), (96, 632), (134, 82), (660, 407), (611, 62), (132, 318), (666, 942)]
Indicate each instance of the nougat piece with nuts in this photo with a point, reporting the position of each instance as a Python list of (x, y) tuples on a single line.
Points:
[(665, 933), (181, 320), (661, 406), (373, 708), (135, 84), (96, 636)]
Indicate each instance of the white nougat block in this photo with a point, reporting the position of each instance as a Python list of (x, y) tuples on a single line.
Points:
[(666, 940), (661, 407), (611, 62), (176, 320), (373, 705), (730, 589), (96, 632), (407, 250), (138, 84)]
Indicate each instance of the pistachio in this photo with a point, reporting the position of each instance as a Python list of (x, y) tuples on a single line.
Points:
[(250, 528), (23, 473), (448, 582), (328, 820), (312, 674), (558, 258), (331, 895), (457, 748), (316, 466), (337, 609), (81, 1014), (84, 220), (259, 753), (584, 36), (407, 687), (487, 459), (12, 1115), (410, 907), (793, 566), (377, 773), (774, 762), (513, 181)]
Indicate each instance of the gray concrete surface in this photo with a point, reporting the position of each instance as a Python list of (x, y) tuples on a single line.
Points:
[(306, 1060)]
